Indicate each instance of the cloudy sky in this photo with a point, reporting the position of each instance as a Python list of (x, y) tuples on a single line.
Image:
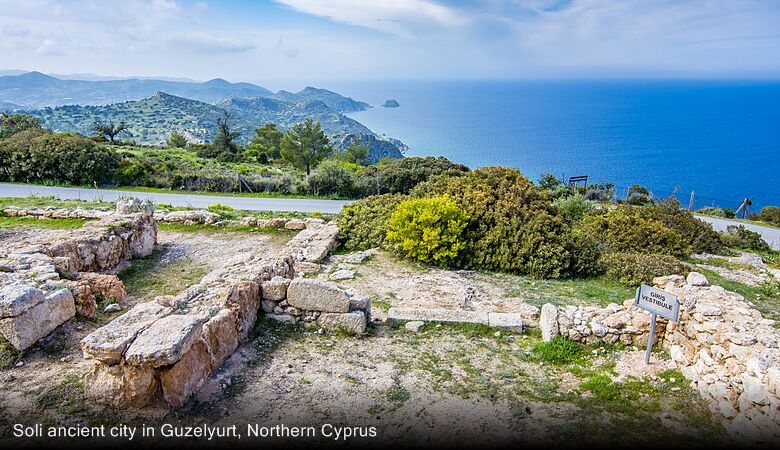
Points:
[(313, 40)]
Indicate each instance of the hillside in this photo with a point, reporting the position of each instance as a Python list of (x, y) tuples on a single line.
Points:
[(151, 120), (36, 90)]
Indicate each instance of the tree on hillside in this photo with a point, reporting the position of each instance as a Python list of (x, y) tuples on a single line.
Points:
[(11, 124), (109, 129), (266, 145), (176, 140), (305, 145), (224, 146), (355, 153)]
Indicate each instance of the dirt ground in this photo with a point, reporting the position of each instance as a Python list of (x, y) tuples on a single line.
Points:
[(444, 384)]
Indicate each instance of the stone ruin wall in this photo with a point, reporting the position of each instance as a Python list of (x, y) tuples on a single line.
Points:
[(46, 284), (721, 343), (167, 348)]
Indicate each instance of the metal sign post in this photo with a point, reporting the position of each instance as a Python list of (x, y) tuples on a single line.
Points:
[(658, 303)]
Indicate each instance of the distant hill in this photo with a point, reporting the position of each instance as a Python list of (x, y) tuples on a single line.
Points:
[(8, 106), (151, 120), (37, 90), (334, 101)]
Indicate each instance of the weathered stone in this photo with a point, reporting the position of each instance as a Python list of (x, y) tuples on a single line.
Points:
[(121, 385), (312, 244), (132, 206), (358, 257), (88, 288), (267, 306), (220, 333), (244, 299), (187, 375), (295, 224), (112, 308), (164, 342), (697, 279), (38, 321), (548, 322), (438, 315), (108, 343), (314, 295), (342, 274), (512, 322), (353, 322), (414, 326), (18, 298), (286, 318), (276, 289), (708, 310)]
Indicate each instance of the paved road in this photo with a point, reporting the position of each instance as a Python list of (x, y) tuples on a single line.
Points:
[(182, 200), (770, 235)]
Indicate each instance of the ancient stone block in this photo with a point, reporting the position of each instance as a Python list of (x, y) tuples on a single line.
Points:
[(438, 315), (165, 341), (548, 322), (121, 385), (108, 343), (18, 298), (221, 335), (244, 299), (314, 295), (697, 279), (276, 289), (512, 322), (354, 322), (187, 375), (38, 321)]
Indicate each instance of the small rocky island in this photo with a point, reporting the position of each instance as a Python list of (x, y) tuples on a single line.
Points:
[(390, 103)]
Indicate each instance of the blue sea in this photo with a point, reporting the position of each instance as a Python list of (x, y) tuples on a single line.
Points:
[(720, 139)]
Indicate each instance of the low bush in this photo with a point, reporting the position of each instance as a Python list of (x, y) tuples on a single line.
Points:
[(635, 229), (428, 230), (699, 234), (402, 174), (632, 269), (363, 224), (737, 236), (558, 351), (574, 206), (770, 214), (338, 178)]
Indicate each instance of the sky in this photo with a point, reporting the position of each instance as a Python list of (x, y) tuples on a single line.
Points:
[(304, 41)]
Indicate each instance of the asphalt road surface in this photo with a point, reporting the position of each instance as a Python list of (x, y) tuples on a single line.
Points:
[(770, 235), (182, 200)]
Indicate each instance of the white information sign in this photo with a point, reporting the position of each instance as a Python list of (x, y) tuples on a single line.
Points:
[(657, 302)]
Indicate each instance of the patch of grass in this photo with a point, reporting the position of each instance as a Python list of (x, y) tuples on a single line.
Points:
[(558, 351), (268, 335), (398, 394), (146, 277), (720, 262), (42, 202), (55, 345), (381, 304), (9, 356), (66, 397), (215, 229), (47, 224), (599, 291)]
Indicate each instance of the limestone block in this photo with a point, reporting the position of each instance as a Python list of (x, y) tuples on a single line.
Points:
[(276, 289), (438, 315), (187, 375), (220, 334), (108, 343), (244, 299), (38, 321), (697, 279), (165, 341), (512, 322), (548, 322), (314, 295), (354, 322), (121, 385), (18, 298), (285, 318)]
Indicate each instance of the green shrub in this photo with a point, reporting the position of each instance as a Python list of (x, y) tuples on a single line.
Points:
[(402, 174), (635, 229), (633, 269), (176, 140), (770, 214), (38, 156), (558, 351), (512, 227), (427, 230), (574, 206), (737, 236), (699, 234), (363, 224), (333, 177)]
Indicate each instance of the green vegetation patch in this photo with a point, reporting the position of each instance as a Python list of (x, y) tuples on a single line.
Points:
[(35, 201), (47, 224), (558, 351), (65, 397), (599, 291), (9, 356), (146, 277)]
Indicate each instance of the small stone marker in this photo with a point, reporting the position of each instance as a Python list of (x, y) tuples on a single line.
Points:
[(657, 303)]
